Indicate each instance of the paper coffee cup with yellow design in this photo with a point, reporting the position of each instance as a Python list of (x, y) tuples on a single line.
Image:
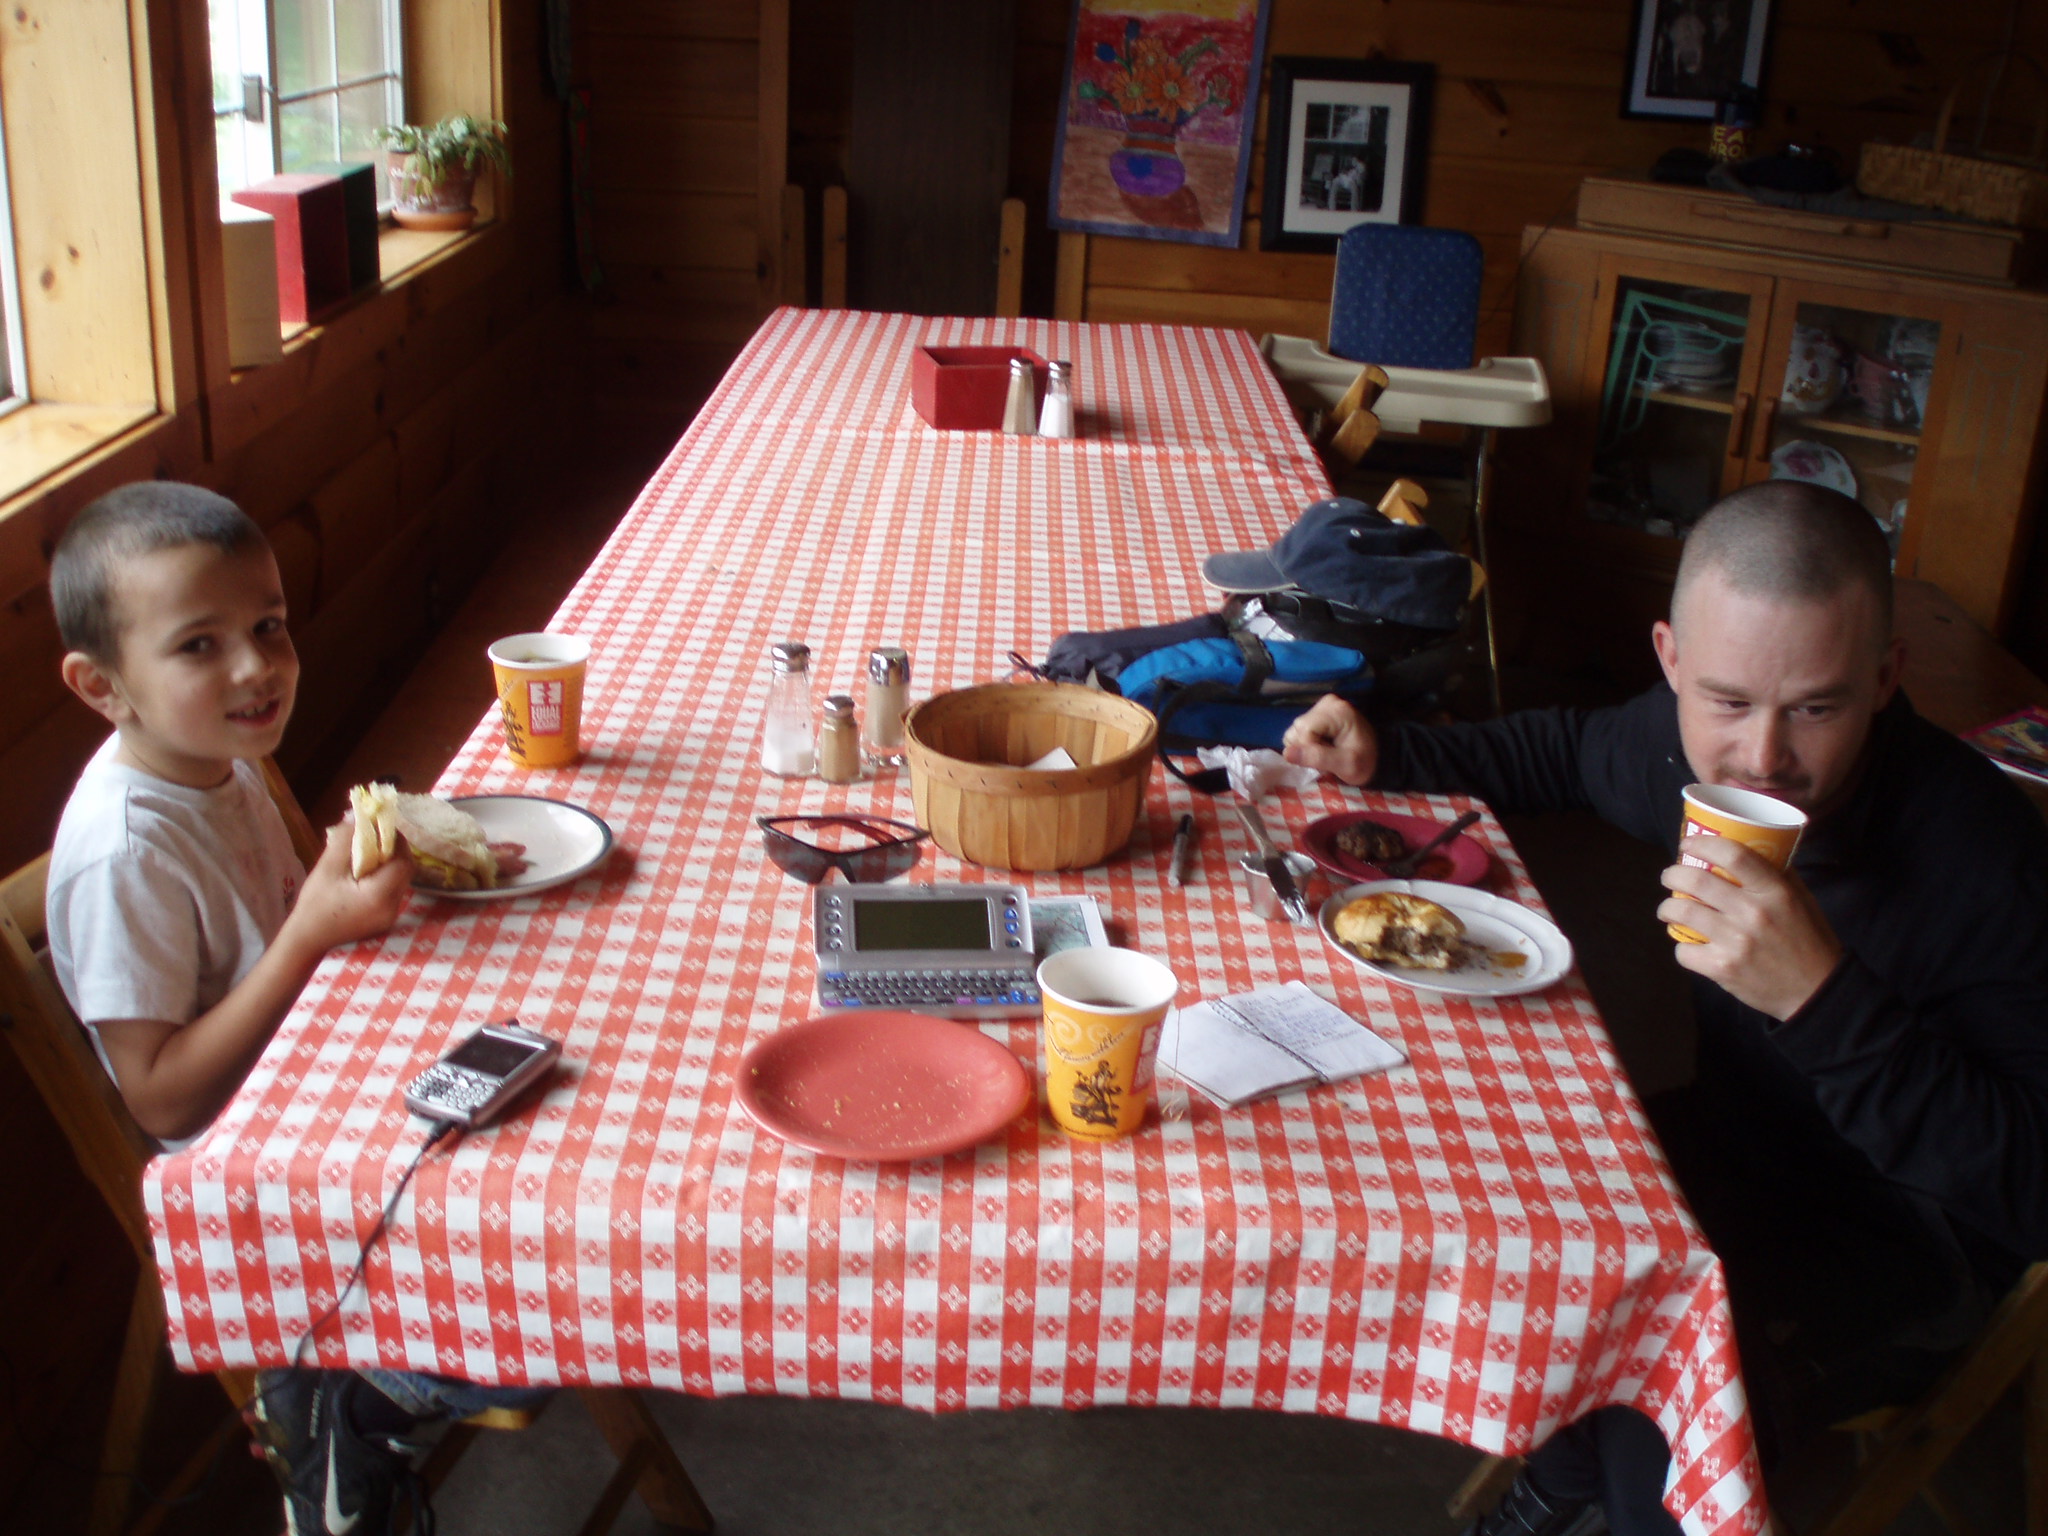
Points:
[(1104, 1009), (540, 697), (1766, 827)]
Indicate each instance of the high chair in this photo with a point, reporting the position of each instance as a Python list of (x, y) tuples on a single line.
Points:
[(39, 1025)]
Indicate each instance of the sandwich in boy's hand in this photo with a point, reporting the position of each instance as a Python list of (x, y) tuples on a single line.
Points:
[(447, 844)]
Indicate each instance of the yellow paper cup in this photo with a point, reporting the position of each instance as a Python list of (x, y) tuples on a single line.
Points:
[(1762, 825), (1103, 1012), (540, 696)]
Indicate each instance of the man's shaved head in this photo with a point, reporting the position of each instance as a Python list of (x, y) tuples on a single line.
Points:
[(1793, 542)]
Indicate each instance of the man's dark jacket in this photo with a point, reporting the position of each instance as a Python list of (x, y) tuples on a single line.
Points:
[(1926, 1052)]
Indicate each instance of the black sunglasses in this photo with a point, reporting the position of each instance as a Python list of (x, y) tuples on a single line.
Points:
[(896, 846)]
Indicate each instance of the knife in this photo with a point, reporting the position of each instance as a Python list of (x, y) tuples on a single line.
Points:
[(1408, 863), (1284, 889)]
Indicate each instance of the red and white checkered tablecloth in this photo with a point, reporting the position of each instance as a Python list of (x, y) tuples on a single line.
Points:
[(1483, 1245)]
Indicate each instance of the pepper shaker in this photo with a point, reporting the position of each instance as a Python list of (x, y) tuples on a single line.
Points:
[(888, 697), (838, 741), (1020, 411)]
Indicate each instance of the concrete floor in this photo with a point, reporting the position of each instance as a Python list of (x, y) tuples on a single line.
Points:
[(783, 1467)]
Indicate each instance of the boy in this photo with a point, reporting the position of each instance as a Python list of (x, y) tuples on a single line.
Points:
[(182, 927)]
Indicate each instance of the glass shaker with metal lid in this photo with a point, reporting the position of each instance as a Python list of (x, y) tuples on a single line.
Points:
[(888, 698), (788, 747)]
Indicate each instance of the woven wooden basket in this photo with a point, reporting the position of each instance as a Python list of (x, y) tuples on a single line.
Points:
[(1992, 190), (966, 751)]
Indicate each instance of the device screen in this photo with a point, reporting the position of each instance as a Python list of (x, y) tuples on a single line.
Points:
[(492, 1055), (921, 924)]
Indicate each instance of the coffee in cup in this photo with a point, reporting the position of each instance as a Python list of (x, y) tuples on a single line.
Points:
[(1104, 1009), (540, 697)]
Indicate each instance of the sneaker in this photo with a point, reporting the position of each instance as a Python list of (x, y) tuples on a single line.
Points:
[(335, 1482), (1525, 1510)]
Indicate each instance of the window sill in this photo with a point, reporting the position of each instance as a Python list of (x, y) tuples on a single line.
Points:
[(399, 253), (38, 440)]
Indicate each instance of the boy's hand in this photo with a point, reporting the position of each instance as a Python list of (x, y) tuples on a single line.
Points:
[(1334, 738), (336, 908)]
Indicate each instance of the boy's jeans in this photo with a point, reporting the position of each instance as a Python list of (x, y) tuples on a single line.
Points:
[(445, 1397)]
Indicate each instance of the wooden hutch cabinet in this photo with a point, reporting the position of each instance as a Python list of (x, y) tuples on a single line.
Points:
[(1681, 370)]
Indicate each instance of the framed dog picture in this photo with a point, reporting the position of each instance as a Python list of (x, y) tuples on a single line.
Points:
[(1684, 56), (1346, 143)]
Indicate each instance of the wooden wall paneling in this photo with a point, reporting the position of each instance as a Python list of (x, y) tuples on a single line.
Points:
[(927, 163), (182, 252), (1974, 542), (793, 276), (694, 230), (1070, 282), (68, 87), (357, 511), (1010, 259), (771, 158), (832, 249)]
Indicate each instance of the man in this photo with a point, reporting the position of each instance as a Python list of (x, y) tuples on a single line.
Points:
[(1866, 1143)]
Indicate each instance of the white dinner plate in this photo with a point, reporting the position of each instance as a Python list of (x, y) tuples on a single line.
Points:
[(562, 841), (1509, 949)]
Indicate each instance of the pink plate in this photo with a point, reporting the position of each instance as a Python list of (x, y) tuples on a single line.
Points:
[(883, 1086), (1461, 861)]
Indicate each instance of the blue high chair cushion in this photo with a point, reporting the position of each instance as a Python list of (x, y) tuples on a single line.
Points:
[(1406, 295)]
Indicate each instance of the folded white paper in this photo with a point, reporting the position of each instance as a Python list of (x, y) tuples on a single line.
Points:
[(1236, 1049)]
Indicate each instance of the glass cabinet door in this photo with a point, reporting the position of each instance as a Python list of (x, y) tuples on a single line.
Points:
[(1674, 399), (1851, 405)]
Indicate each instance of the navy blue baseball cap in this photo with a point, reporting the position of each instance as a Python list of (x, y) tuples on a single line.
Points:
[(1344, 551)]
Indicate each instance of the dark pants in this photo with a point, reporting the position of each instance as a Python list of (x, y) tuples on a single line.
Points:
[(1849, 1294)]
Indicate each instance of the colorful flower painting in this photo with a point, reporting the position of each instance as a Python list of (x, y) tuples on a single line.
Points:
[(1155, 138)]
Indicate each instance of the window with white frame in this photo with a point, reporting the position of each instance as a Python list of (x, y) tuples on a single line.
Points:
[(13, 360), (300, 83)]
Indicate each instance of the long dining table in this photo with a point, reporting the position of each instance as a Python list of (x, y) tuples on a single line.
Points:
[(1483, 1244)]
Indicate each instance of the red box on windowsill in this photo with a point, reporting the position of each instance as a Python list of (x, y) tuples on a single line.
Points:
[(965, 388), (312, 241)]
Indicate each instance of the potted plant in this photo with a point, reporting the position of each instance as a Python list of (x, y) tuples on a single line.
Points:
[(434, 169)]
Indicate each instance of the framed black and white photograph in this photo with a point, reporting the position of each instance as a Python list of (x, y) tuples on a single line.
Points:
[(1684, 56), (1346, 142)]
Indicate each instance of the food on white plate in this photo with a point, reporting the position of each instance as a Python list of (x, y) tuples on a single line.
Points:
[(1394, 928), (448, 847)]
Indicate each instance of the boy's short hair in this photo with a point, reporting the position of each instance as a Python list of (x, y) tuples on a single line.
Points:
[(128, 522)]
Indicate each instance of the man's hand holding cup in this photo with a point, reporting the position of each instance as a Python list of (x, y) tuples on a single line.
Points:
[(1741, 917)]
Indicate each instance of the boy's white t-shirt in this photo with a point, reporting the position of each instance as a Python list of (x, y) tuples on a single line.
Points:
[(162, 897)]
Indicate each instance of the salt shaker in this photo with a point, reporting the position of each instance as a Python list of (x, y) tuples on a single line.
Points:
[(1057, 419), (888, 697), (1020, 411), (838, 741), (786, 746)]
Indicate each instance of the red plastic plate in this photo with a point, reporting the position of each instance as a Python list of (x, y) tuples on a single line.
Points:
[(1461, 861), (882, 1086)]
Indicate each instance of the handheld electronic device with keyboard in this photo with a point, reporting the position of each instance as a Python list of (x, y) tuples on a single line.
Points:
[(959, 951)]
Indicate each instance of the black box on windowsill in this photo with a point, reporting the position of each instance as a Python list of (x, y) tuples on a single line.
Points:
[(359, 192)]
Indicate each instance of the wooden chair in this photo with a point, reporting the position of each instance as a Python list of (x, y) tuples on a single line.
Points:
[(1901, 1449), (45, 1035)]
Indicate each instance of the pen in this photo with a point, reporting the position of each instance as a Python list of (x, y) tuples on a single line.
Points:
[(1183, 845)]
